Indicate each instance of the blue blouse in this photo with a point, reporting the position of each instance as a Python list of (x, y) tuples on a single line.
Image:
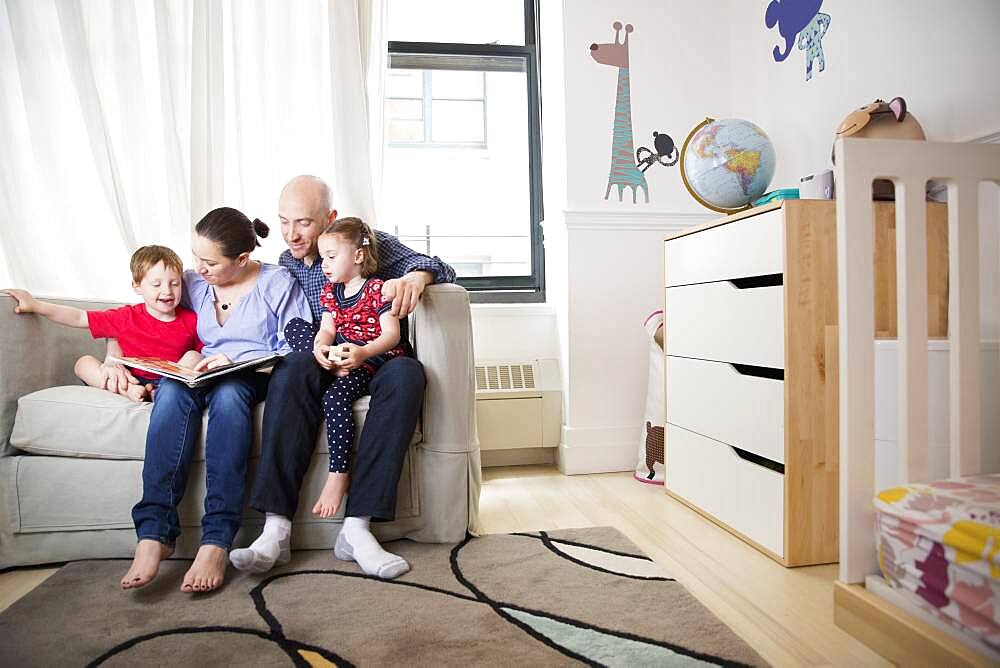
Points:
[(256, 326)]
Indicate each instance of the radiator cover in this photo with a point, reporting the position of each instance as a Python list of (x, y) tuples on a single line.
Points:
[(518, 404)]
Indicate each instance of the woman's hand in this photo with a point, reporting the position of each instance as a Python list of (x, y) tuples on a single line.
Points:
[(322, 354), (190, 359), (211, 362), (25, 302)]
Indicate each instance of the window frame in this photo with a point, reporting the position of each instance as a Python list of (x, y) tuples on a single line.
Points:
[(503, 289)]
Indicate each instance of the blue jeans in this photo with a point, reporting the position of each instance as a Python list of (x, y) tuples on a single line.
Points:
[(170, 441)]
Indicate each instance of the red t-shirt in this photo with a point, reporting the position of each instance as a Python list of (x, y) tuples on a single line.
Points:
[(141, 335)]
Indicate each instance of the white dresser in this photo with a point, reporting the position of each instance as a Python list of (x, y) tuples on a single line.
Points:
[(751, 440), (751, 377)]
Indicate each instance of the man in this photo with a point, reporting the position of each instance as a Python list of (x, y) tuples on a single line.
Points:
[(293, 412)]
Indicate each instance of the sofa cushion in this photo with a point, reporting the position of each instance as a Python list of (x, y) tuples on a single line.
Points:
[(51, 494), (79, 421)]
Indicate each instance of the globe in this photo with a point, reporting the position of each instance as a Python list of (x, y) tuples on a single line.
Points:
[(727, 163)]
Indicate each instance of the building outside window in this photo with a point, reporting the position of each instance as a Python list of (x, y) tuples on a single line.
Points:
[(462, 163)]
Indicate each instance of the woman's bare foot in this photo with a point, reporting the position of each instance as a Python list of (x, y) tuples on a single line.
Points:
[(332, 495), (207, 571), (145, 563)]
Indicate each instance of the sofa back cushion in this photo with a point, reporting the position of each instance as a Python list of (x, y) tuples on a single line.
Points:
[(36, 353)]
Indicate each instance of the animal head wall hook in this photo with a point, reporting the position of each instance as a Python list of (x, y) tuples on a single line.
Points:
[(613, 53)]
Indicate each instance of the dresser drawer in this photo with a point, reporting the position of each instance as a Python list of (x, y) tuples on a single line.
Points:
[(717, 400), (721, 322), (748, 247), (711, 476)]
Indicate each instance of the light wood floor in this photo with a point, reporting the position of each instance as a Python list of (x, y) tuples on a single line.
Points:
[(785, 614)]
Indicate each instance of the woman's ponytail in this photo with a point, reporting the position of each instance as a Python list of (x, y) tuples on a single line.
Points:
[(261, 229)]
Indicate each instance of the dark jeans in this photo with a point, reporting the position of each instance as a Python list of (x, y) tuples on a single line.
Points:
[(170, 440), (292, 416)]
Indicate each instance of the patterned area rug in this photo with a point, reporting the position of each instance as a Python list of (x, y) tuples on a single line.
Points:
[(548, 598)]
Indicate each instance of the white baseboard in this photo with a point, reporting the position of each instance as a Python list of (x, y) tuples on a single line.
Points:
[(597, 449), (517, 457)]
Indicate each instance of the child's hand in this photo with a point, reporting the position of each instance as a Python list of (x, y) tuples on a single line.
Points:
[(138, 392), (351, 356), (332, 495), (322, 355), (25, 302), (116, 378)]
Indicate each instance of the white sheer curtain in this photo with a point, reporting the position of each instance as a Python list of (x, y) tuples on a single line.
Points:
[(123, 121)]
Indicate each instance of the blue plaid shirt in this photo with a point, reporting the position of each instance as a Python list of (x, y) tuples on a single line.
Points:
[(395, 260)]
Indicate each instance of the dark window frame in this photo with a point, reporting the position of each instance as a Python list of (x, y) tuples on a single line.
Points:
[(506, 289)]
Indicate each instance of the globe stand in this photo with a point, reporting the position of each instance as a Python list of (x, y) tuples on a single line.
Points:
[(684, 178)]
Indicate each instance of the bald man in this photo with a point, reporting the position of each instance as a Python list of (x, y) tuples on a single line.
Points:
[(293, 412)]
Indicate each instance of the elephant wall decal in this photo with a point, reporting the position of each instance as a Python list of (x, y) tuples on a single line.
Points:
[(791, 17)]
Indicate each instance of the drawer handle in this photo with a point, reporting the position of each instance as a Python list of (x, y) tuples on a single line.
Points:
[(765, 281), (758, 460), (758, 371)]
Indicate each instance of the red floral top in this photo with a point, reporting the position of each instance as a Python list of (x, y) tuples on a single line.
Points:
[(356, 317)]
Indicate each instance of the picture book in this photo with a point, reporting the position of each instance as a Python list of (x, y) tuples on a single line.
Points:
[(191, 378)]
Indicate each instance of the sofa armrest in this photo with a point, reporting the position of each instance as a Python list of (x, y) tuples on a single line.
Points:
[(441, 333), (36, 353)]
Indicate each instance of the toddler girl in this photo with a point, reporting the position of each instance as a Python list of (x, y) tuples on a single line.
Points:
[(357, 334)]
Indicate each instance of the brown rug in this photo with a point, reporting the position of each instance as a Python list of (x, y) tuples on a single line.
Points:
[(549, 598)]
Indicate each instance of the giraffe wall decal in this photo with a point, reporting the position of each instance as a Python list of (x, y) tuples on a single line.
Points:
[(624, 172)]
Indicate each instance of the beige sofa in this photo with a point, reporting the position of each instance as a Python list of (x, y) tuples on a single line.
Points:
[(71, 456)]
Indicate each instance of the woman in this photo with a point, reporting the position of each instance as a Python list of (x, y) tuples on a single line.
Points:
[(243, 306)]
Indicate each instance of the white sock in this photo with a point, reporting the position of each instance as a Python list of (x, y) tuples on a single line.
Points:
[(356, 543), (273, 546)]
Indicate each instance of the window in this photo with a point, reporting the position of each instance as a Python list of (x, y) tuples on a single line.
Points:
[(439, 108), (462, 166)]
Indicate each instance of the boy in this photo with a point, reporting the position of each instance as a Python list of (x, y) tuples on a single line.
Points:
[(157, 327)]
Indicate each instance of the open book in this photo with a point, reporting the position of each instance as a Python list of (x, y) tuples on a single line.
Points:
[(193, 378)]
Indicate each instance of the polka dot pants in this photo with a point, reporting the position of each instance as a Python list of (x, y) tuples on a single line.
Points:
[(337, 402), (299, 335)]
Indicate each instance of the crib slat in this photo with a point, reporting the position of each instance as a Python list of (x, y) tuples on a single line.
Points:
[(911, 296), (856, 319), (963, 319)]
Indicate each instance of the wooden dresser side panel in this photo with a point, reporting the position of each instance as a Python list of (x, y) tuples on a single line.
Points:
[(811, 376)]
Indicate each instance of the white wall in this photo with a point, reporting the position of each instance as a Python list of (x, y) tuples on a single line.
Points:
[(690, 60), (678, 75), (679, 65), (514, 332), (941, 57)]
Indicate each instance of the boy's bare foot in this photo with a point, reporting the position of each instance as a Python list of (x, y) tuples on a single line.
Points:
[(207, 571), (145, 563), (332, 495)]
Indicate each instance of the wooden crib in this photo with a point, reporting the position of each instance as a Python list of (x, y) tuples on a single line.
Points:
[(892, 631)]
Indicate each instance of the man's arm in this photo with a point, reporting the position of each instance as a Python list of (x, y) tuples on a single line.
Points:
[(396, 260), (407, 273)]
